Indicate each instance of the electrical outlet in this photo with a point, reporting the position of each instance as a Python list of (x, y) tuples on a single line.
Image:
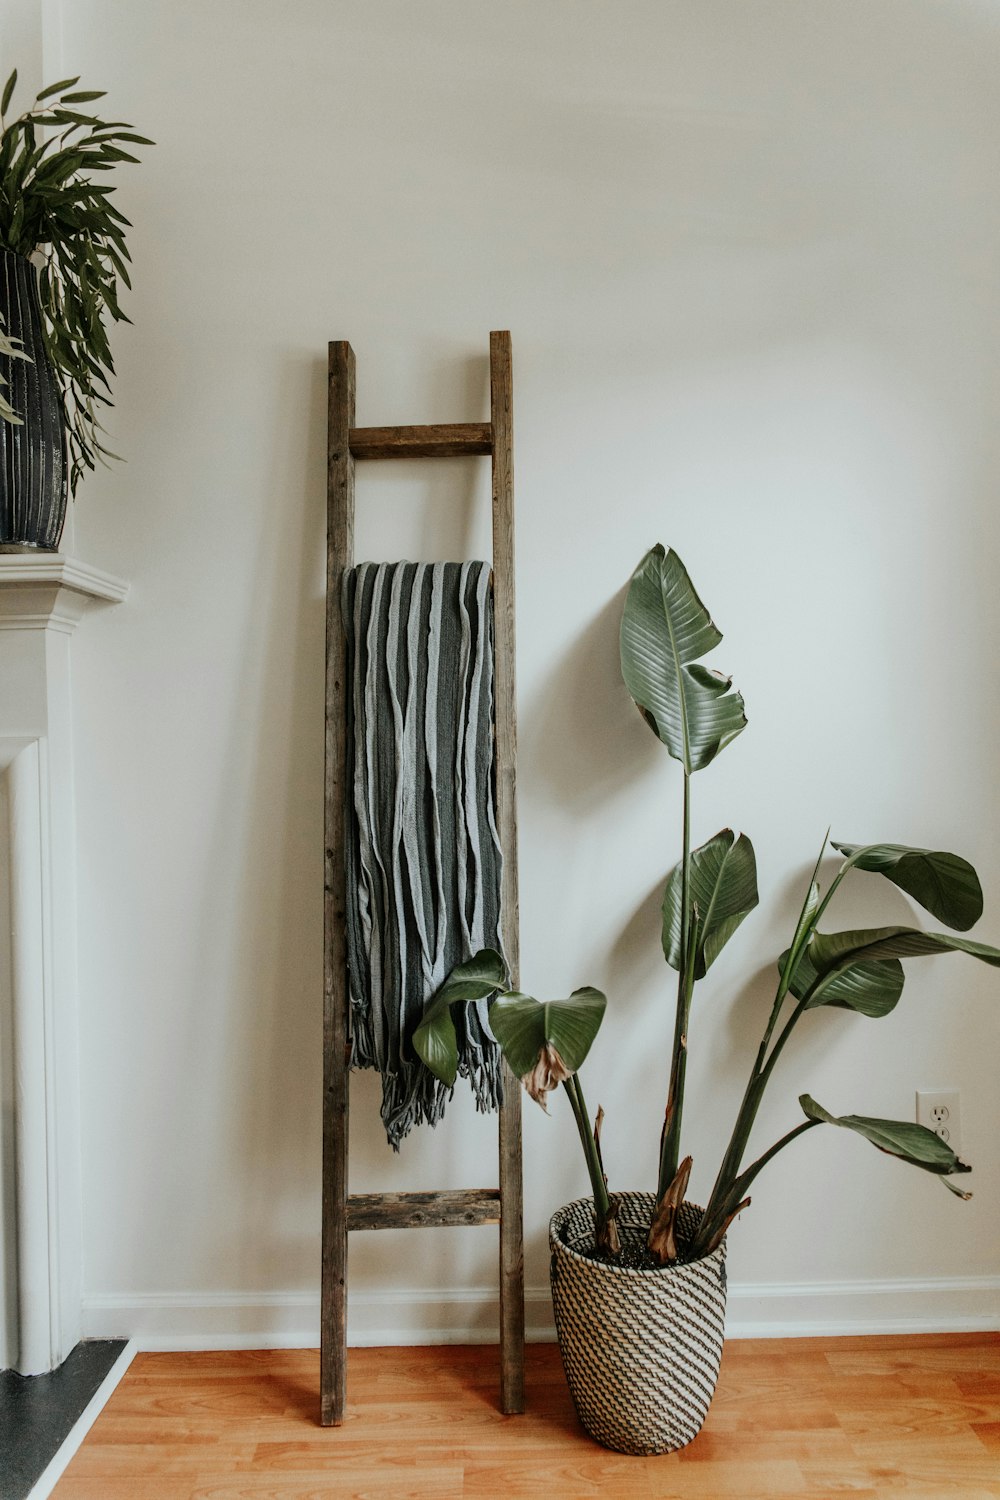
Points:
[(940, 1111)]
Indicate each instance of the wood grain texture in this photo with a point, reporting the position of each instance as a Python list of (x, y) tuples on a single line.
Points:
[(339, 556), (449, 1207), (808, 1418), (394, 1210), (505, 716), (450, 440)]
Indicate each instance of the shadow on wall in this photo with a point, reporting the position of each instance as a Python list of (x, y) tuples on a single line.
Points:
[(581, 738), (269, 831)]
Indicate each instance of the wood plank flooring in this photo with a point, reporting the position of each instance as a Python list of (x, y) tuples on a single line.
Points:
[(859, 1417)]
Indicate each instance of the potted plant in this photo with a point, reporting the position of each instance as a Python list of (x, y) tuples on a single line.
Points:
[(638, 1279), (63, 250)]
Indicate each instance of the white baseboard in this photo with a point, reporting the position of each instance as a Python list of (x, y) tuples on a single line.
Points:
[(54, 1470), (290, 1320), (810, 1309)]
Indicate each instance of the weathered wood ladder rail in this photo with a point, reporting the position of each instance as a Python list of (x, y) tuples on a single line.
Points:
[(502, 1205)]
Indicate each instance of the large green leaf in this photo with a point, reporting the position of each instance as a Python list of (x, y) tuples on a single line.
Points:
[(945, 884), (524, 1027), (665, 629), (871, 988), (910, 1142), (837, 950), (435, 1040), (723, 887)]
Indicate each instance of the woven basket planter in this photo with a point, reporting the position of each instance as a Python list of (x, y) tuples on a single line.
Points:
[(641, 1348)]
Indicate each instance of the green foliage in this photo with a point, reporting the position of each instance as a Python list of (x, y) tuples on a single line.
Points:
[(544, 1043), (871, 989), (910, 1142), (708, 895), (837, 950), (723, 880), (665, 629), (945, 885), (435, 1039), (525, 1027), (50, 207)]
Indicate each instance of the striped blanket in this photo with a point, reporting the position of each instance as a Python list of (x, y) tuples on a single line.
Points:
[(423, 855)]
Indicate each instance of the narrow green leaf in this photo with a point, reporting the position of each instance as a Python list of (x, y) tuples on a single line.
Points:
[(809, 909), (84, 96), (56, 88), (723, 886), (113, 153), (121, 268), (665, 629), (945, 885), (8, 91), (71, 117), (910, 1142), (122, 135), (435, 1039)]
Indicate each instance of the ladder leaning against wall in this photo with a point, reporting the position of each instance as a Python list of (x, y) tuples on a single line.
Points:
[(343, 1211)]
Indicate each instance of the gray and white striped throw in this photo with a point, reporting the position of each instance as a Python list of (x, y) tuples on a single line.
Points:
[(423, 854)]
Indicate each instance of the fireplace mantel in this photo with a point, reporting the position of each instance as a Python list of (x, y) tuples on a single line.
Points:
[(43, 597), (42, 590)]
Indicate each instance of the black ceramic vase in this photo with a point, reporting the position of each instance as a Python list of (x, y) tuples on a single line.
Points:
[(32, 455)]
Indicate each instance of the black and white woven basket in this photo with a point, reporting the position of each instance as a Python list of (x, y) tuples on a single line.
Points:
[(641, 1348)]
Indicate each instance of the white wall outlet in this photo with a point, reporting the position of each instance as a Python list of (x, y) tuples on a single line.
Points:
[(940, 1111)]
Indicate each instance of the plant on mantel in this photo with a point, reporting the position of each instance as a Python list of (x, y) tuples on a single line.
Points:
[(695, 713), (52, 212)]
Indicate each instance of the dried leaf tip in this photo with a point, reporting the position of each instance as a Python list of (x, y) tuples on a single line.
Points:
[(662, 1241), (548, 1073)]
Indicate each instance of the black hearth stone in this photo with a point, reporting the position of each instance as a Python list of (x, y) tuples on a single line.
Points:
[(37, 1412)]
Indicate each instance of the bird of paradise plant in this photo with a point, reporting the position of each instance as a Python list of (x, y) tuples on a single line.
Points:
[(694, 711)]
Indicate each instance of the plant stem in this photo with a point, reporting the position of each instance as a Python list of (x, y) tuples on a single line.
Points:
[(747, 1177), (726, 1181), (670, 1140), (708, 1229), (805, 926), (602, 1201)]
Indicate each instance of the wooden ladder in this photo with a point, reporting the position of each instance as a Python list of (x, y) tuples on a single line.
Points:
[(501, 1205)]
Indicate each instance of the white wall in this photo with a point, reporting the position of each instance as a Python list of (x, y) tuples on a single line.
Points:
[(747, 254)]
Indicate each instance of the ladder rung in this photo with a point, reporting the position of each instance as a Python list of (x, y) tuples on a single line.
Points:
[(442, 441), (427, 1210)]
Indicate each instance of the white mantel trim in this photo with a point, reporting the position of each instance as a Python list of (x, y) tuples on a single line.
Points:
[(46, 590), (40, 1338), (66, 572), (43, 596)]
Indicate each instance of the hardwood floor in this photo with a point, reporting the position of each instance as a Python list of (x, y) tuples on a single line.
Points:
[(864, 1417)]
